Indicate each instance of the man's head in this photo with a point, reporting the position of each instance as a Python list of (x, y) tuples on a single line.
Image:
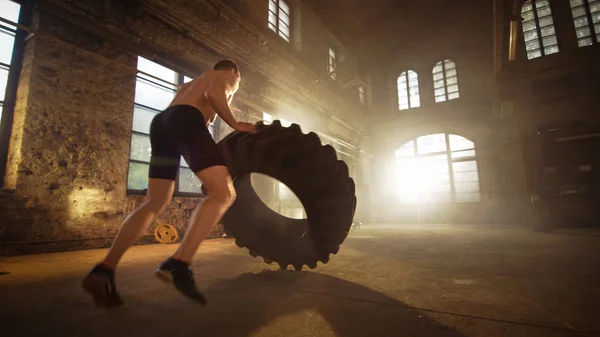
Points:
[(227, 65)]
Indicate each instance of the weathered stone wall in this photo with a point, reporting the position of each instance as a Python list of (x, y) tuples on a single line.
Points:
[(70, 144)]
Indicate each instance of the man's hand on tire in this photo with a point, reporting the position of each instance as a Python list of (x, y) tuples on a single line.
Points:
[(245, 127)]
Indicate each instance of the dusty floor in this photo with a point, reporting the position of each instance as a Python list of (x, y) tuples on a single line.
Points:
[(385, 281)]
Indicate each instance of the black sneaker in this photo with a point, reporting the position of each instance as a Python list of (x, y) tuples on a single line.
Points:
[(181, 275), (100, 282)]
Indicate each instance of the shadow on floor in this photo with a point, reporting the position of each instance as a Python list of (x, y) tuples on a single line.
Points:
[(287, 303)]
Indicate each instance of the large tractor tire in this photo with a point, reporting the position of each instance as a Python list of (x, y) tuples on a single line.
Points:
[(312, 171)]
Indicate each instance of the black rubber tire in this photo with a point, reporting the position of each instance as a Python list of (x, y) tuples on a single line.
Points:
[(312, 171)]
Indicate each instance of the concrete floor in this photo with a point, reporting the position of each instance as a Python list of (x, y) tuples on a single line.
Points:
[(385, 281)]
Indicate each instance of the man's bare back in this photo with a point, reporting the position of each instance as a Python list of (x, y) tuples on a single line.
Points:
[(211, 93)]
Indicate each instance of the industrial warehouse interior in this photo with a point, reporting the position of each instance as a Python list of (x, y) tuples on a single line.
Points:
[(393, 168)]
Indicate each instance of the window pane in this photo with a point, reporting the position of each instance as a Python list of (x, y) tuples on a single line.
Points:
[(438, 76), (431, 143), (140, 148), (464, 166), (451, 72), (284, 6), (575, 3), (157, 70), (527, 7), (404, 104), (547, 31), (547, 21), (534, 54), (3, 81), (530, 35), (453, 95), (273, 5), (7, 41), (438, 68), (453, 88), (415, 101), (544, 12), (438, 84), (188, 182), (152, 95), (580, 22), (551, 50), (584, 42), (10, 10), (463, 154), (458, 143), (449, 64), (142, 118), (439, 92), (465, 177), (577, 12), (451, 80), (412, 76), (272, 21), (529, 26), (532, 45), (187, 79), (468, 197), (284, 30), (541, 3), (441, 98), (583, 32), (138, 176), (528, 16), (595, 8), (466, 187)]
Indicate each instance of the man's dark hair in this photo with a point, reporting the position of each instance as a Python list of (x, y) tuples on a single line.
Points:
[(226, 65)]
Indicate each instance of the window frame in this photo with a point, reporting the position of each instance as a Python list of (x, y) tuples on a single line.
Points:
[(594, 36), (445, 79), (450, 161), (12, 82), (538, 29), (406, 75), (180, 80), (276, 27)]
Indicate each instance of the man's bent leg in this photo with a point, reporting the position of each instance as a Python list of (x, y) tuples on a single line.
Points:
[(207, 214), (100, 281), (137, 222)]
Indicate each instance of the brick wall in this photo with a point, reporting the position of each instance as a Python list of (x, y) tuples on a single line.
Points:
[(69, 147)]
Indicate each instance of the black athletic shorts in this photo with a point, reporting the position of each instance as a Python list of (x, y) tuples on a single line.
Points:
[(178, 131)]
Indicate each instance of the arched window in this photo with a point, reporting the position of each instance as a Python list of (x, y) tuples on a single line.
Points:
[(408, 90), (445, 81), (586, 17), (538, 29), (437, 168)]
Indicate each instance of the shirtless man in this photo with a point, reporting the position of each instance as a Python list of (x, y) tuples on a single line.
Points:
[(179, 130)]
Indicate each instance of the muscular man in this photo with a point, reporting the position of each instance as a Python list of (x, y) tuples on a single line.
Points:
[(179, 130)]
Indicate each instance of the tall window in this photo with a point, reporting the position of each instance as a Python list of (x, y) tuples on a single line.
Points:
[(408, 90), (538, 29), (361, 94), (9, 10), (437, 168), (279, 18), (154, 90), (445, 81), (586, 17), (331, 65)]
